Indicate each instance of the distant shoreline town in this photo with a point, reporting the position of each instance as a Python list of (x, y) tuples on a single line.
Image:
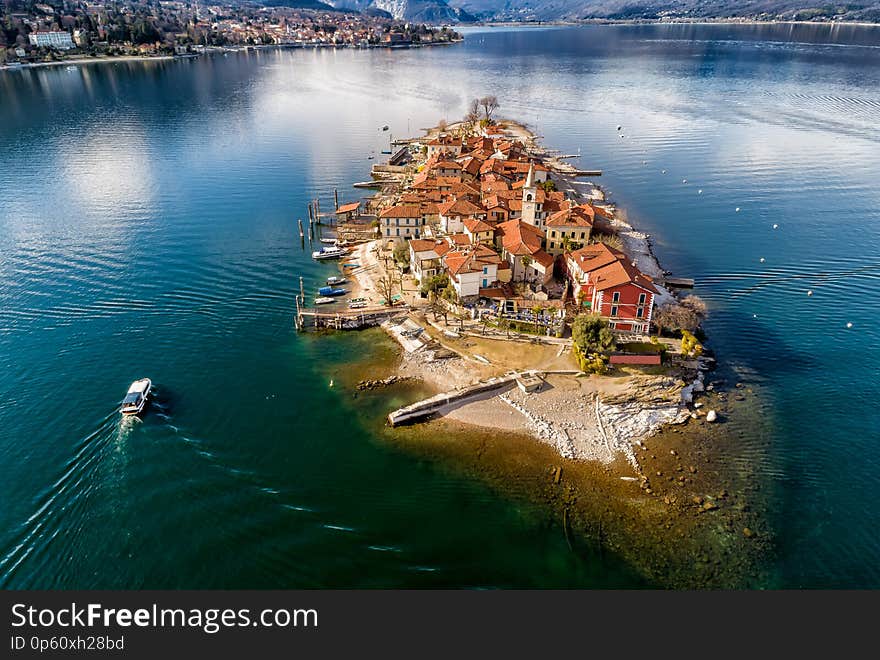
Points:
[(71, 32)]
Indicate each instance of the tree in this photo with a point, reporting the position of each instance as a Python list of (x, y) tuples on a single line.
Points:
[(439, 309), (472, 116), (385, 285), (401, 254), (673, 317), (592, 335), (504, 324), (436, 283), (442, 125), (490, 104), (526, 261)]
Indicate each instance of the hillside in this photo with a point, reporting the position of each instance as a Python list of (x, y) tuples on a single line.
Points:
[(866, 10)]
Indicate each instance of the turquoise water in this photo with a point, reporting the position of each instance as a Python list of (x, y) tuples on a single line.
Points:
[(148, 227)]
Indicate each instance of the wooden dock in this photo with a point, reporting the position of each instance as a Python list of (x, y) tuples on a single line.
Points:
[(678, 282), (308, 318)]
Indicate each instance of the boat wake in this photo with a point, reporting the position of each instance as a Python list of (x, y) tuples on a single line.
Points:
[(60, 513)]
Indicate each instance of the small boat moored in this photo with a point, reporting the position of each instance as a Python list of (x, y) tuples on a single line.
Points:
[(324, 300), (331, 291), (329, 241), (332, 252), (136, 397), (336, 280), (357, 305)]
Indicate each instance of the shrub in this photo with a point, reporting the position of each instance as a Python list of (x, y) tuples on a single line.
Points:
[(689, 345), (591, 334)]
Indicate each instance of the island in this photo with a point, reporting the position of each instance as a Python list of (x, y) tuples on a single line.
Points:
[(530, 314)]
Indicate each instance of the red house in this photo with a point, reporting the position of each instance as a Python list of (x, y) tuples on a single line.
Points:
[(605, 282)]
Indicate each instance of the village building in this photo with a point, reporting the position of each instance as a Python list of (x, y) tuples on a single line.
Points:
[(606, 283), (569, 229), (402, 221), (521, 247), (348, 212), (472, 269), (453, 213), (444, 144), (425, 257), (479, 231)]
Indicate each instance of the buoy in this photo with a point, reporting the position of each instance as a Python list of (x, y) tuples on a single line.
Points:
[(754, 316), (775, 226), (810, 292), (662, 171), (619, 128), (684, 180), (700, 191), (331, 382), (849, 325), (762, 259), (737, 209)]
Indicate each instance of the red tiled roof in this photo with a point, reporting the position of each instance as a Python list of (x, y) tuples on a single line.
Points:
[(519, 238), (475, 226), (578, 216), (401, 211), (459, 207), (621, 272), (595, 256), (348, 208)]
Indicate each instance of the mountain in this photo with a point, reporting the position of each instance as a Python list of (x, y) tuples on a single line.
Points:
[(417, 11), (548, 10)]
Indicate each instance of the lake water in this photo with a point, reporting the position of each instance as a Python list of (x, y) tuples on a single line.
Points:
[(148, 227)]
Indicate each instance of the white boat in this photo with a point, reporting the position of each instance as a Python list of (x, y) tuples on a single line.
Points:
[(324, 300), (357, 305), (329, 241), (136, 397), (332, 252), (336, 280)]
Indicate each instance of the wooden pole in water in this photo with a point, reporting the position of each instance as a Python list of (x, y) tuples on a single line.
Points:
[(336, 198), (302, 290), (310, 211), (317, 208), (301, 234)]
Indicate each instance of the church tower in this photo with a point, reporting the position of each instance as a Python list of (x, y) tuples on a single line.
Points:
[(530, 199)]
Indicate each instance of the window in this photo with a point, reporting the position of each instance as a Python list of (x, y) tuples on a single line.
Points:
[(616, 297), (642, 297), (398, 231), (529, 197), (552, 245), (640, 312), (552, 234), (582, 236), (485, 283), (614, 310)]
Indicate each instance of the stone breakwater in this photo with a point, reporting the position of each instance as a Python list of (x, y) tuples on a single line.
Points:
[(544, 430)]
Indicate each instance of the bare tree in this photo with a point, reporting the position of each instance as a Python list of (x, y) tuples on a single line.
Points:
[(385, 285), (473, 113), (442, 125), (674, 316), (695, 304), (490, 104)]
